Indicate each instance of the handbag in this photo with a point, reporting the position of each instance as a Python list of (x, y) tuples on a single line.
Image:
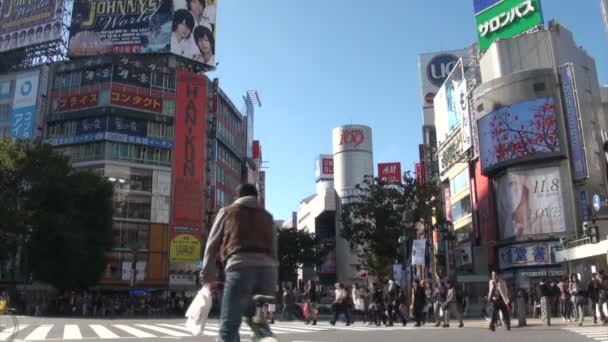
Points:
[(198, 311)]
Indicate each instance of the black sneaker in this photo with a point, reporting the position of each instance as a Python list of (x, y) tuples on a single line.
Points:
[(446, 325), (492, 327), (461, 325)]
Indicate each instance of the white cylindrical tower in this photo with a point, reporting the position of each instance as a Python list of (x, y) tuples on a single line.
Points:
[(353, 160)]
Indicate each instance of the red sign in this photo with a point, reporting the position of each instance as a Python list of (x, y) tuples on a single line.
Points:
[(353, 137), (263, 188), (78, 101), (448, 202), (121, 97), (390, 172), (257, 150), (328, 166), (420, 173), (189, 157), (486, 212)]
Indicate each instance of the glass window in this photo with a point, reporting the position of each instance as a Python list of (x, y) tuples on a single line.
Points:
[(461, 209), (5, 90), (5, 112), (131, 206), (169, 107), (104, 97), (459, 183), (170, 81)]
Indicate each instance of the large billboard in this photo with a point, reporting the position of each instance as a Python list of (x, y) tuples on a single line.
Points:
[(26, 23), (23, 116), (485, 211), (183, 27), (571, 112), (390, 173), (188, 168), (451, 104), (505, 19), (434, 69), (530, 203), (518, 132)]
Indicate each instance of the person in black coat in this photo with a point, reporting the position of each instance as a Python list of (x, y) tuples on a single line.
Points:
[(418, 302)]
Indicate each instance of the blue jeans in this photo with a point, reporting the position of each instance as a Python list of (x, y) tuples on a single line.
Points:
[(239, 288)]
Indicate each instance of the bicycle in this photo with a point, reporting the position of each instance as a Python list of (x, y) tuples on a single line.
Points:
[(9, 325)]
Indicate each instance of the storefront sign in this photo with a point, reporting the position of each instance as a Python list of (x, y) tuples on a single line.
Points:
[(528, 254), (584, 203), (188, 168), (110, 136), (78, 101), (419, 252), (390, 173), (121, 97)]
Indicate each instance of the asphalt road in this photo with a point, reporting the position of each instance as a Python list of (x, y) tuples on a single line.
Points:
[(147, 330)]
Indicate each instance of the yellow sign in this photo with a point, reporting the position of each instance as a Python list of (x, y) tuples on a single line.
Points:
[(185, 248)]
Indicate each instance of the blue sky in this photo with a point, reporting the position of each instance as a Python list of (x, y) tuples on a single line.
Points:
[(320, 64)]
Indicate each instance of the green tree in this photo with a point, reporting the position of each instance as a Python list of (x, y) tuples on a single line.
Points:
[(374, 219), (63, 217), (297, 248)]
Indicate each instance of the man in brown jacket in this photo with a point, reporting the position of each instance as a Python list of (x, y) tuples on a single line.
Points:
[(243, 236)]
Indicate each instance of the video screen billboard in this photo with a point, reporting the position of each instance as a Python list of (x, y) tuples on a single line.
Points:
[(188, 168), (518, 132), (183, 27), (505, 19), (530, 203), (27, 23)]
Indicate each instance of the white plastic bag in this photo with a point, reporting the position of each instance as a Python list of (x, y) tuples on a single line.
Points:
[(198, 311)]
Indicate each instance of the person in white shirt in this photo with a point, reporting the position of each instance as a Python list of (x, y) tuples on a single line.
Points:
[(209, 12), (183, 24), (340, 304)]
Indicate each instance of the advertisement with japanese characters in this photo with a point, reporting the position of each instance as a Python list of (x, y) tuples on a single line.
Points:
[(530, 203), (78, 101), (188, 186), (23, 116), (505, 19), (183, 27), (27, 23), (126, 98), (533, 254), (390, 173)]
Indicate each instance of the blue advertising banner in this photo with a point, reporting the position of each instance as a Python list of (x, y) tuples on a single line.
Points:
[(23, 117), (584, 203), (128, 126), (571, 109), (534, 254), (110, 136), (91, 125), (483, 5)]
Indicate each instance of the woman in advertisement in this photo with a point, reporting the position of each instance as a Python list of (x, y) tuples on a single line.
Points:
[(531, 204), (203, 37)]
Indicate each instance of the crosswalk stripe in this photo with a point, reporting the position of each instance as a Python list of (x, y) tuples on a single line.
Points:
[(71, 332), (6, 334), (175, 326), (103, 332), (215, 328), (304, 327), (163, 330), (39, 333), (133, 331)]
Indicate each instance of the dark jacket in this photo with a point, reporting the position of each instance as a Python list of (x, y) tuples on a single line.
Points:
[(593, 289), (311, 294)]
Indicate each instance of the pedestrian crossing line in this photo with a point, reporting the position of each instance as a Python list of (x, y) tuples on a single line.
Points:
[(133, 331), (6, 334), (175, 326), (162, 330), (71, 332), (595, 333), (39, 333), (103, 332)]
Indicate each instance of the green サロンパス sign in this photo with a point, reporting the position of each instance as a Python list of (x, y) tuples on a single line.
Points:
[(506, 20)]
